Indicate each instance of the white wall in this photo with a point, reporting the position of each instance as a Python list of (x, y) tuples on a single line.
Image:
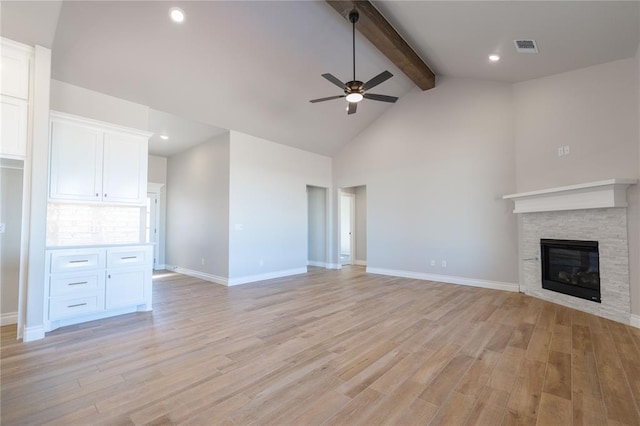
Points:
[(436, 166), (197, 234), (595, 111), (268, 201), (11, 216), (317, 224), (83, 102), (157, 170)]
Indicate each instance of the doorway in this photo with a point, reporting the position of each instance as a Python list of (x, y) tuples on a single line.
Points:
[(11, 239), (353, 226), (316, 226), (347, 228)]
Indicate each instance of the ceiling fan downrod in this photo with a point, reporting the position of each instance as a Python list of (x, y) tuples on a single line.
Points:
[(353, 18)]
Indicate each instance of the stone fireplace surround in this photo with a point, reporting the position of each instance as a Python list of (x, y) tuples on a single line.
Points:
[(594, 211)]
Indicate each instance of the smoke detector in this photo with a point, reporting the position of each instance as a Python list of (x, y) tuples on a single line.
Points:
[(526, 46)]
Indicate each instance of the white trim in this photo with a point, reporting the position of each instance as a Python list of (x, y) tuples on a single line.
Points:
[(634, 320), (64, 322), (266, 276), (496, 285), (9, 318), (33, 333), (197, 274), (333, 266), (161, 267), (58, 116), (359, 262), (594, 195), (316, 263)]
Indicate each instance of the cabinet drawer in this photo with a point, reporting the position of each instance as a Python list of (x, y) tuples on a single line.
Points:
[(76, 260), (70, 284), (135, 256), (70, 307)]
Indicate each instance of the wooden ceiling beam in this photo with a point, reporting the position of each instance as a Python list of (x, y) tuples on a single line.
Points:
[(386, 39)]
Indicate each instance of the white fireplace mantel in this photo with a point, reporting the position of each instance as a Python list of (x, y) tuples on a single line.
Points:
[(593, 195)]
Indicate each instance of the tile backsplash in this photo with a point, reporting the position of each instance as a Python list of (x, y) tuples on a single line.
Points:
[(82, 224)]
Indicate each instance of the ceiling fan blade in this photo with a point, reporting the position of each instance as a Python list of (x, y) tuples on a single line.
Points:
[(383, 98), (326, 99), (352, 108), (334, 80), (380, 78)]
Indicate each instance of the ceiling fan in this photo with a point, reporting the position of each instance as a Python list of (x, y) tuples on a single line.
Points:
[(354, 90)]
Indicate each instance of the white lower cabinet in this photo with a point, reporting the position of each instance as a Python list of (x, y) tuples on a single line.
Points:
[(92, 283)]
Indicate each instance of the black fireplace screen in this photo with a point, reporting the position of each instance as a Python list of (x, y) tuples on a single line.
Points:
[(571, 267)]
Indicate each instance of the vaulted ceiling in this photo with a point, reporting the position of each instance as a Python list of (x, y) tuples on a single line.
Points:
[(253, 66)]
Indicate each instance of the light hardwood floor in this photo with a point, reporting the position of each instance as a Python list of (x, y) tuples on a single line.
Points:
[(328, 347)]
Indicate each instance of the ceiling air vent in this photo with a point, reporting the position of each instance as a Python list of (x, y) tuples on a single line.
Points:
[(526, 46)]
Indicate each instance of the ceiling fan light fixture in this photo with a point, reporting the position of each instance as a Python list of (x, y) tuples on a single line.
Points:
[(176, 14), (354, 97)]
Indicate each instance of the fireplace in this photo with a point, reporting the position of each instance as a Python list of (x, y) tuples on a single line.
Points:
[(571, 267)]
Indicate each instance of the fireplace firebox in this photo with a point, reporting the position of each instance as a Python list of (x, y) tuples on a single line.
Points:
[(571, 267)]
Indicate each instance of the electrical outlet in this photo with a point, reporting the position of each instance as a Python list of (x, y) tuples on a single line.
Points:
[(433, 262), (444, 263), (261, 262), (3, 228), (567, 151), (239, 227), (203, 260), (560, 151)]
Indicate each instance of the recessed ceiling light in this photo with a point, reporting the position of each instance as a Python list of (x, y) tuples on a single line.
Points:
[(354, 97), (176, 14), (494, 58), (164, 137)]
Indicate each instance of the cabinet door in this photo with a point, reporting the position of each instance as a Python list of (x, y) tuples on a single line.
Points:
[(125, 169), (14, 72), (13, 127), (76, 162), (126, 287)]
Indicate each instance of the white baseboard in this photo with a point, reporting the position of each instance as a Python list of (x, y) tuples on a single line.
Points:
[(197, 274), (33, 333), (9, 318), (317, 263), (360, 262), (160, 267), (266, 276), (334, 266), (496, 285), (635, 320)]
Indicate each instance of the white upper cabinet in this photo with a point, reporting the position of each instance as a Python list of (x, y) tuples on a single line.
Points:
[(13, 127), (125, 168), (14, 72), (15, 63), (76, 162), (97, 162)]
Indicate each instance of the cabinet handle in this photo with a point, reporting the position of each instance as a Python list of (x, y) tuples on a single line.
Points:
[(79, 261), (129, 257), (109, 276), (76, 305), (105, 195), (97, 194), (78, 283)]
